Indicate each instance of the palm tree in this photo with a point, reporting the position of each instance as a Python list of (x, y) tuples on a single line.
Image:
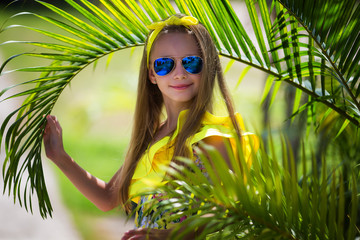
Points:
[(310, 45)]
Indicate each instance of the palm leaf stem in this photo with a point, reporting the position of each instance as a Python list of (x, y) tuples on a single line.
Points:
[(249, 63), (304, 89)]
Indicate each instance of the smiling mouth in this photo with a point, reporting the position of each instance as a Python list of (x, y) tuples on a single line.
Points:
[(180, 86)]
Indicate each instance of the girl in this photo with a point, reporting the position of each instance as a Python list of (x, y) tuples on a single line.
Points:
[(179, 68)]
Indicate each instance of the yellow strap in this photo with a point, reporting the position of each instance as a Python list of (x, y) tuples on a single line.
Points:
[(158, 26)]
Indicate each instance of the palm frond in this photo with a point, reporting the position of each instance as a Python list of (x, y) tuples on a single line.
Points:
[(70, 54), (268, 201), (323, 46)]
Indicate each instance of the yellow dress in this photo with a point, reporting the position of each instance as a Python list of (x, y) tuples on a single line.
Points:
[(150, 170)]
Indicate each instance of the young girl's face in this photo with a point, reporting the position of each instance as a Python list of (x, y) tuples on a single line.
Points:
[(178, 86)]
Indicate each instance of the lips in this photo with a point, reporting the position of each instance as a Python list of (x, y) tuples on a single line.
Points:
[(180, 86)]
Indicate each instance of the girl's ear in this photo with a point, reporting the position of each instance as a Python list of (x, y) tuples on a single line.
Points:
[(152, 76)]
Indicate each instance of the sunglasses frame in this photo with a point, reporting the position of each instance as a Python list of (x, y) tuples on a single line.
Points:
[(174, 66)]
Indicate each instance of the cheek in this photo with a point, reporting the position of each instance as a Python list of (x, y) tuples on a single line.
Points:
[(197, 79), (198, 83)]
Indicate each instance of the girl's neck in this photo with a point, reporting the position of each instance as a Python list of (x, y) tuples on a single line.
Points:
[(166, 129), (173, 113), (170, 124)]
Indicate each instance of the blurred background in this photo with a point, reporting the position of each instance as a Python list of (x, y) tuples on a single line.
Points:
[(96, 113)]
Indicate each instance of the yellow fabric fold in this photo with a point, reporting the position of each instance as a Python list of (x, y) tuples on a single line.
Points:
[(151, 168)]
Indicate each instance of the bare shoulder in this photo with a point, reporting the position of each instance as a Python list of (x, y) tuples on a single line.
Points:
[(218, 142)]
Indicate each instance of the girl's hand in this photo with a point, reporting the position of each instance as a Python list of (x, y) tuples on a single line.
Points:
[(53, 142), (147, 233)]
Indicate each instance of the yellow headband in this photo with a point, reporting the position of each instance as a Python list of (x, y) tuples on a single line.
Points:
[(158, 26)]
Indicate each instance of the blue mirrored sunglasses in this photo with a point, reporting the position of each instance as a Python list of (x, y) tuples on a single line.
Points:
[(192, 64)]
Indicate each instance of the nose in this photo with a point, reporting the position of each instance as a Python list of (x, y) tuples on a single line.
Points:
[(179, 70)]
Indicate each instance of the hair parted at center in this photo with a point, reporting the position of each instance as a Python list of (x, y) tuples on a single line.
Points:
[(150, 103)]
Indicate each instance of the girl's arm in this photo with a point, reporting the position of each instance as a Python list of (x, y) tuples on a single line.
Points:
[(103, 195)]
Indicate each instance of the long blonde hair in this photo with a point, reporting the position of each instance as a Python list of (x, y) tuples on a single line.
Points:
[(150, 103)]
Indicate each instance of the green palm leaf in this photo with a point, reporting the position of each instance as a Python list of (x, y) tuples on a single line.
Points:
[(312, 46), (268, 202), (70, 56)]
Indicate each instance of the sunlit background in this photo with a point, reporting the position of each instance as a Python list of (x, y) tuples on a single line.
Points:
[(96, 113)]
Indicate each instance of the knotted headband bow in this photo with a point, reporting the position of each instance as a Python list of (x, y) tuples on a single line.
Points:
[(158, 26)]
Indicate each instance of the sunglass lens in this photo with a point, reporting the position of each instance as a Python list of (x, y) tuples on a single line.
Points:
[(163, 66), (192, 64)]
